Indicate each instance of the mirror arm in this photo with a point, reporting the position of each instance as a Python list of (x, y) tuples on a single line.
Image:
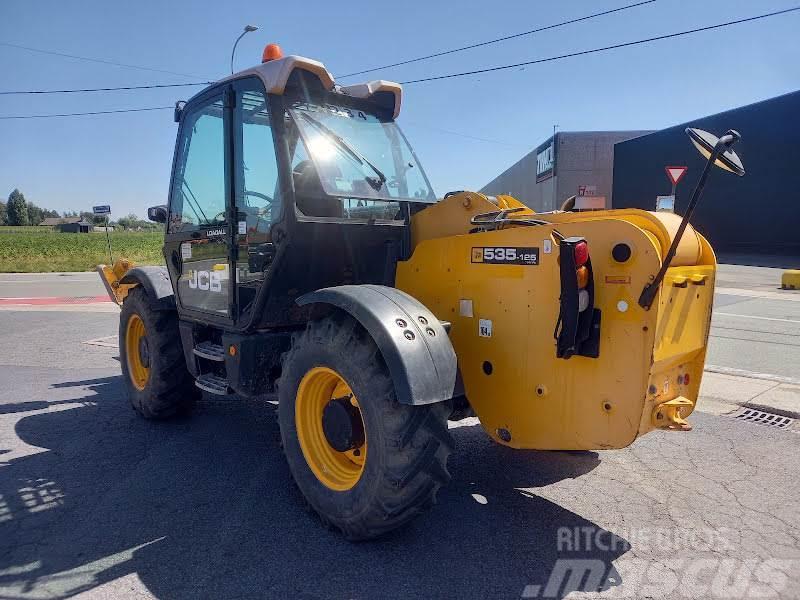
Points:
[(650, 290)]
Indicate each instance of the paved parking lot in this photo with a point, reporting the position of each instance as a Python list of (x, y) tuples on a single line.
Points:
[(95, 502)]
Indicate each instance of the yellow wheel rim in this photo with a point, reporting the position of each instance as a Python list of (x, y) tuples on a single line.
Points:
[(340, 471), (135, 347)]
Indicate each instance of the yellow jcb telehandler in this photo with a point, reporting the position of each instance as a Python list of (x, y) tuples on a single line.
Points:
[(307, 254)]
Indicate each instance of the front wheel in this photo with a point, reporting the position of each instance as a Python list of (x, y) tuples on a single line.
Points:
[(365, 463), (158, 383)]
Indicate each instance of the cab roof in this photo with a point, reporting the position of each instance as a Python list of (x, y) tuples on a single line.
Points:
[(275, 73)]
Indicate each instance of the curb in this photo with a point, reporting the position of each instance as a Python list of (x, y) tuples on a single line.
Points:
[(792, 414), (760, 391), (750, 374)]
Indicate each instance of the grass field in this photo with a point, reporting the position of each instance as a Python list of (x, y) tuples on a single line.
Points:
[(32, 250)]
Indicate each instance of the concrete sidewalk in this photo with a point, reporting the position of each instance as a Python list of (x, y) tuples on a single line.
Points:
[(722, 393)]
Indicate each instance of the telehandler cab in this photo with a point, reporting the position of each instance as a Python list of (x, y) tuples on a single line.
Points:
[(307, 254)]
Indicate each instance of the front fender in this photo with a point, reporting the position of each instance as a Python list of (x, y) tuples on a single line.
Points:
[(414, 344), (155, 281)]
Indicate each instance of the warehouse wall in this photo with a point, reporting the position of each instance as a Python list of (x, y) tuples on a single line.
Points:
[(519, 180), (757, 213), (587, 158), (581, 158)]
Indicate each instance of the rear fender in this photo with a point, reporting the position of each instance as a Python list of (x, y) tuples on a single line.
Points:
[(413, 342)]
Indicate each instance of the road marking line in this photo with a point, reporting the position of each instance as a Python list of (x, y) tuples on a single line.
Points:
[(48, 300), (751, 374), (788, 295), (723, 314), (98, 307), (109, 341)]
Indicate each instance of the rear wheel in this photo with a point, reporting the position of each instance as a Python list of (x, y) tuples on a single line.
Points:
[(365, 463), (158, 383)]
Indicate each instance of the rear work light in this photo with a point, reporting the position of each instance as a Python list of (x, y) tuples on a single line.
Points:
[(578, 326)]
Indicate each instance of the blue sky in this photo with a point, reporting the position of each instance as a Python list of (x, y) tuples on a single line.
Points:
[(124, 160)]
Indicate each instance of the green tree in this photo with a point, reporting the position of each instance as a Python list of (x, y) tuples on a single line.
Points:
[(16, 209), (93, 218), (128, 222), (2, 213), (35, 214)]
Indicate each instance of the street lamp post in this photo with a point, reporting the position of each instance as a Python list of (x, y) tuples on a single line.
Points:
[(247, 29)]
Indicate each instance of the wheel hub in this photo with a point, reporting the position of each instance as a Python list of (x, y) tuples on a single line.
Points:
[(137, 352), (144, 352), (342, 424), (330, 428)]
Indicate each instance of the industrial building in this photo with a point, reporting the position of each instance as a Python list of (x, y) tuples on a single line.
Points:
[(558, 168), (755, 214), (68, 224)]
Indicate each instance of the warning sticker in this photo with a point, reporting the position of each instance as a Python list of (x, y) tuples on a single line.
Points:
[(623, 279), (186, 250), (485, 328)]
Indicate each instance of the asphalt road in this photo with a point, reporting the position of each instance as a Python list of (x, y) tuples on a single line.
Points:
[(95, 502), (755, 328), (32, 285)]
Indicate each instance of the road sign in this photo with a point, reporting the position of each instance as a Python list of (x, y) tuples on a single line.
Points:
[(675, 174), (101, 210)]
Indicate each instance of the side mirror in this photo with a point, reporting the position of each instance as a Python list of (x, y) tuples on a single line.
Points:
[(707, 144), (179, 106), (157, 214), (717, 152)]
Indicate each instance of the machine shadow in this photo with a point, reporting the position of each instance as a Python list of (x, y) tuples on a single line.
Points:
[(205, 507)]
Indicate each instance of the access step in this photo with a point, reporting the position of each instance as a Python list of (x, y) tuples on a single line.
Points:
[(213, 384), (210, 351)]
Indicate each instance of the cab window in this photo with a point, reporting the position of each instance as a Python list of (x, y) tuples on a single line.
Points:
[(198, 188)]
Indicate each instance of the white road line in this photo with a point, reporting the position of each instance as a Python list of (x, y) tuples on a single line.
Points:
[(751, 374), (109, 341), (723, 314), (97, 307), (52, 279), (788, 295)]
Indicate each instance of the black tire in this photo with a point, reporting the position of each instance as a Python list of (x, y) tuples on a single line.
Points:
[(408, 446), (169, 389)]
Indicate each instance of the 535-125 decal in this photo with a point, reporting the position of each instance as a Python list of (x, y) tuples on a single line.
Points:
[(503, 255)]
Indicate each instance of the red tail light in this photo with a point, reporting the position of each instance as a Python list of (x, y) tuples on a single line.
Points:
[(578, 325), (581, 253)]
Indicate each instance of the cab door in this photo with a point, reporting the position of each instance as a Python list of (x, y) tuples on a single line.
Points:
[(258, 199), (198, 244)]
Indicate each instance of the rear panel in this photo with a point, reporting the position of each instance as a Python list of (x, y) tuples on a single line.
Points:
[(503, 317)]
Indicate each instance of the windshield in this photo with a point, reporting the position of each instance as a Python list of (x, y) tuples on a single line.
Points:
[(359, 155)]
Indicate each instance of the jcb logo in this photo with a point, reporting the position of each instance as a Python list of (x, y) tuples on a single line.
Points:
[(208, 281)]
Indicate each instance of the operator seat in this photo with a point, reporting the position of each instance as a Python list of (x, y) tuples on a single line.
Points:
[(310, 198)]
